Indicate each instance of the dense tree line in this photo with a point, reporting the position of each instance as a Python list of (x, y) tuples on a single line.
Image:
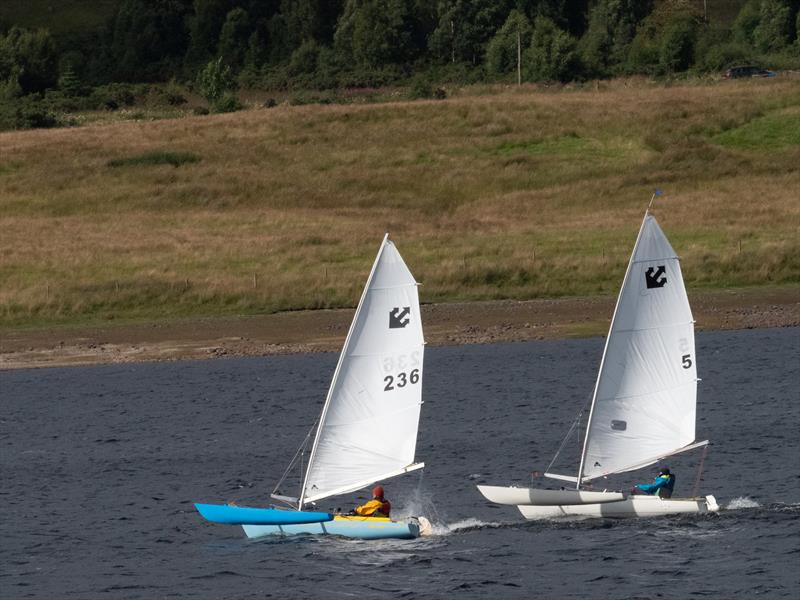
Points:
[(317, 44)]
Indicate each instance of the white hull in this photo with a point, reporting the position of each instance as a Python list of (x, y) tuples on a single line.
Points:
[(363, 528), (632, 506), (515, 495)]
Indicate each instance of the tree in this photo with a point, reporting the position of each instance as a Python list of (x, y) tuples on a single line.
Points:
[(552, 55), (304, 59), (773, 32), (612, 27), (746, 21), (148, 39), (28, 60), (797, 30), (465, 28), (376, 33), (677, 44), (205, 27), (69, 83), (300, 21), (501, 53), (234, 37)]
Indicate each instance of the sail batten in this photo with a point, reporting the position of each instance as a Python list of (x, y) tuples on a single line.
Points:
[(635, 396), (369, 423), (645, 397), (650, 461), (656, 327), (360, 484)]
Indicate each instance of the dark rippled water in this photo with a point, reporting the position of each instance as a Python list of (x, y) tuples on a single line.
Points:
[(100, 467)]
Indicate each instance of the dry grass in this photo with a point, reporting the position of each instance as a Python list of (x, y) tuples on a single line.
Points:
[(494, 193)]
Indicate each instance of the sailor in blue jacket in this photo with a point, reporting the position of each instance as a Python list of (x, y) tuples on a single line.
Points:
[(661, 487)]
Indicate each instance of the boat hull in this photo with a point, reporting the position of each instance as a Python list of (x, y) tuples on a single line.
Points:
[(243, 515), (632, 506), (363, 528), (516, 495)]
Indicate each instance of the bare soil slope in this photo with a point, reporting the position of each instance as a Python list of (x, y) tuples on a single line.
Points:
[(325, 330)]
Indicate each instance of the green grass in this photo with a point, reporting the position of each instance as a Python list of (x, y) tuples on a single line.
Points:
[(777, 131), (518, 193)]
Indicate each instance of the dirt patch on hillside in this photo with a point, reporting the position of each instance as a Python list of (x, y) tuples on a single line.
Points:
[(325, 330)]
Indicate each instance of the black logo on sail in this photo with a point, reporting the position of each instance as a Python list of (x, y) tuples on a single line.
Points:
[(399, 318), (654, 277)]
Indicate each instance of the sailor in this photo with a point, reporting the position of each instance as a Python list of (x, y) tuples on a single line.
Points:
[(377, 507), (661, 487)]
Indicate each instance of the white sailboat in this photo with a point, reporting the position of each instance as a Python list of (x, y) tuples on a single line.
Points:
[(644, 402), (368, 428)]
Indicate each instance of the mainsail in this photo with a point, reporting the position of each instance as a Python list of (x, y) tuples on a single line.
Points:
[(368, 427), (645, 397)]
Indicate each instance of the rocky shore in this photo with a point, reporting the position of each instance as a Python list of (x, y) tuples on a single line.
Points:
[(325, 330)]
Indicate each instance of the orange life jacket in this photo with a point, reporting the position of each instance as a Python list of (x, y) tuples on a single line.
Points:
[(377, 507)]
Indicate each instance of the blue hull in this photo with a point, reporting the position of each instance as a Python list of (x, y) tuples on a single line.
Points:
[(363, 529), (243, 515)]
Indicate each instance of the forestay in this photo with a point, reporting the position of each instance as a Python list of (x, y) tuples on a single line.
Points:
[(645, 396), (368, 428)]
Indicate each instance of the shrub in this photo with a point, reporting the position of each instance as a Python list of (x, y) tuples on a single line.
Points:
[(115, 95), (718, 58), (227, 103), (26, 113), (215, 80), (421, 87)]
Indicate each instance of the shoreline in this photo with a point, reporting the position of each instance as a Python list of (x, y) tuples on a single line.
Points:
[(324, 330)]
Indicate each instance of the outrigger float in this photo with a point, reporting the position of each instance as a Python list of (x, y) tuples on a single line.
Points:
[(644, 403), (368, 428)]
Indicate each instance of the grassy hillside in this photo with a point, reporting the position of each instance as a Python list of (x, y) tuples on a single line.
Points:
[(494, 193)]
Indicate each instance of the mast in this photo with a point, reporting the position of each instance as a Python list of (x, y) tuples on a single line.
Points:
[(342, 354), (605, 348)]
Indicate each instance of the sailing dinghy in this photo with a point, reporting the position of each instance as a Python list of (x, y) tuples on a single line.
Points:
[(643, 407), (368, 428)]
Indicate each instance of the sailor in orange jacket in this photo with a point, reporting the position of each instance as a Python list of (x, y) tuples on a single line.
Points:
[(377, 507)]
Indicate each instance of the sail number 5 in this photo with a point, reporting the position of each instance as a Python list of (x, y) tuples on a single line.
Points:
[(686, 359)]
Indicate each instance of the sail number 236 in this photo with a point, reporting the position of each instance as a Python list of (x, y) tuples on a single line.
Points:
[(407, 364), (400, 380)]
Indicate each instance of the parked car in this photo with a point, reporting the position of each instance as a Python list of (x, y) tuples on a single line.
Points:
[(748, 71)]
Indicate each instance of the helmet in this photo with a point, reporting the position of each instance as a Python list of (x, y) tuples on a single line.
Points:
[(377, 491), (664, 471)]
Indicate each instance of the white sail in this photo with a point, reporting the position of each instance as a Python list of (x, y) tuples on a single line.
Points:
[(368, 428), (645, 397)]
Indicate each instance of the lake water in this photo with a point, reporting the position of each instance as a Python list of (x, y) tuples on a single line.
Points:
[(100, 466)]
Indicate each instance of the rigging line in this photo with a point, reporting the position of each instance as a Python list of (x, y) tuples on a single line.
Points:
[(299, 454), (698, 477), (653, 197), (575, 423)]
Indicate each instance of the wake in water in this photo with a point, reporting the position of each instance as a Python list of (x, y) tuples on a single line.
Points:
[(421, 503), (439, 528), (742, 502)]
